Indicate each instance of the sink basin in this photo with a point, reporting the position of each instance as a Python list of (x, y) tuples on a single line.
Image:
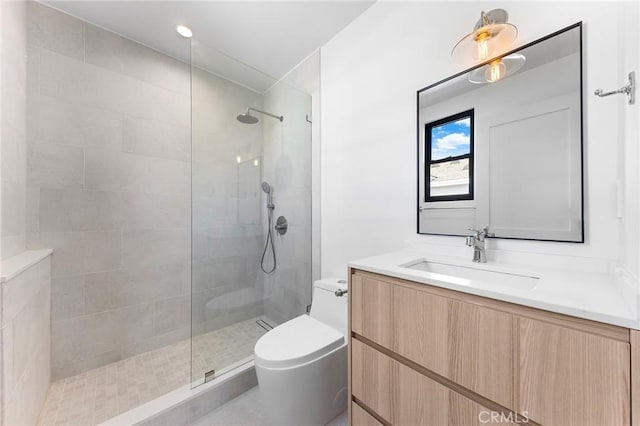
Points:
[(465, 275)]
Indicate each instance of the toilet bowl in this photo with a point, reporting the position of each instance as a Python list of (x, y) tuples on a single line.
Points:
[(302, 363)]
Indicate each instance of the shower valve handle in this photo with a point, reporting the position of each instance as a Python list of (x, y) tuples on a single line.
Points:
[(281, 225)]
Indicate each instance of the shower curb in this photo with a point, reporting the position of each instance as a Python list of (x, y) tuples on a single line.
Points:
[(184, 406)]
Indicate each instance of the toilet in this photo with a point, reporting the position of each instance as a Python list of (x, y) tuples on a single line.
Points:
[(302, 363)]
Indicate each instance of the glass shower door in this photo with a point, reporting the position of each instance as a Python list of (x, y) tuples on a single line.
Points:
[(237, 144)]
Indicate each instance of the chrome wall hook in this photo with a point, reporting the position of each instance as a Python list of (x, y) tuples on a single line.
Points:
[(629, 89)]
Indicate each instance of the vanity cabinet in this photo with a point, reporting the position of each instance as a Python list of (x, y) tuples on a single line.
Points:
[(572, 377), (424, 355), (415, 399)]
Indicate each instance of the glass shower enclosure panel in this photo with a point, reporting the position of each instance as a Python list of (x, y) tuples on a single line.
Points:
[(251, 156)]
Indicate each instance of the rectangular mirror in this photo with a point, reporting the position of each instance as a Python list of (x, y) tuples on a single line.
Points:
[(500, 145)]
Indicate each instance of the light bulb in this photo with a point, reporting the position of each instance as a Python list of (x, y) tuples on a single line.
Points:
[(495, 71), (238, 159), (184, 31), (482, 46)]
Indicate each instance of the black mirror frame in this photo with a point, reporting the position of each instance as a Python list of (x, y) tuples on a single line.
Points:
[(418, 125)]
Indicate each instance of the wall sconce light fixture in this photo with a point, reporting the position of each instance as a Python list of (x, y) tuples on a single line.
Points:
[(491, 36)]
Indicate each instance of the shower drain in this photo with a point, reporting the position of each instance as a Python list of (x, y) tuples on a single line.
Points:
[(264, 324)]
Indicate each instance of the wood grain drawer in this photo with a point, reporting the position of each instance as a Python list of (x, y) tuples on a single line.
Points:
[(568, 377), (404, 397), (361, 418), (468, 344)]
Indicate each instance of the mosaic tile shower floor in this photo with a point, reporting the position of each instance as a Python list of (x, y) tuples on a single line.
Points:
[(99, 394)]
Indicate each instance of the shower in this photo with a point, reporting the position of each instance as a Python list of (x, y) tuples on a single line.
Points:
[(247, 118), (269, 242)]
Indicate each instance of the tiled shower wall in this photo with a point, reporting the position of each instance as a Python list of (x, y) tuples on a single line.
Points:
[(287, 166), (227, 205), (108, 189), (13, 128), (26, 342)]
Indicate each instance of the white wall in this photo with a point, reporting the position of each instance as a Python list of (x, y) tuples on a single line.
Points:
[(370, 74), (629, 119)]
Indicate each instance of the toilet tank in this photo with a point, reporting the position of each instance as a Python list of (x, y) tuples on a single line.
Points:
[(329, 308)]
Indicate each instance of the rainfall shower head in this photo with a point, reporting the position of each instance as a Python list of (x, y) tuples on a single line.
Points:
[(266, 188), (247, 118)]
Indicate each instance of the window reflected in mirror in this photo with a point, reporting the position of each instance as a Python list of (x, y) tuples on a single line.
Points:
[(449, 158), (506, 154)]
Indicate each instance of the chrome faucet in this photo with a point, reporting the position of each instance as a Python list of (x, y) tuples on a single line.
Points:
[(477, 242)]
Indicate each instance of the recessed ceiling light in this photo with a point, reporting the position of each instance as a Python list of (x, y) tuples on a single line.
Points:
[(184, 31)]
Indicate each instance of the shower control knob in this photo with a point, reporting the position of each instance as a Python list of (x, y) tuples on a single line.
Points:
[(281, 225)]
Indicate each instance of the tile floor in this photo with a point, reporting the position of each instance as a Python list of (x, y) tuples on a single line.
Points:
[(99, 394), (245, 411)]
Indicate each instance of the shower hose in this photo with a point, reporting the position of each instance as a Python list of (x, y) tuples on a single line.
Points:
[(268, 243)]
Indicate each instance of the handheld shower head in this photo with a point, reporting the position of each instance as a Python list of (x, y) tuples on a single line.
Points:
[(267, 190)]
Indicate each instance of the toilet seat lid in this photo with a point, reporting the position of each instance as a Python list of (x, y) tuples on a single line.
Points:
[(296, 342)]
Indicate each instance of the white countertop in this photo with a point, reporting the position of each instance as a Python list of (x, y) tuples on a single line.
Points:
[(594, 296)]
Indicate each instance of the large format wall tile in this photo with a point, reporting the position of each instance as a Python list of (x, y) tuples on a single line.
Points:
[(154, 138), (26, 340), (74, 81), (172, 314), (79, 210), (156, 342), (102, 250), (110, 170), (13, 213), (68, 251), (171, 211), (13, 86), (71, 123), (136, 209), (117, 289), (80, 252), (55, 166), (67, 297), (55, 31), (155, 246), (112, 52)]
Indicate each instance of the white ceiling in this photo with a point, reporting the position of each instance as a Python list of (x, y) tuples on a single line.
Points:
[(270, 36)]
